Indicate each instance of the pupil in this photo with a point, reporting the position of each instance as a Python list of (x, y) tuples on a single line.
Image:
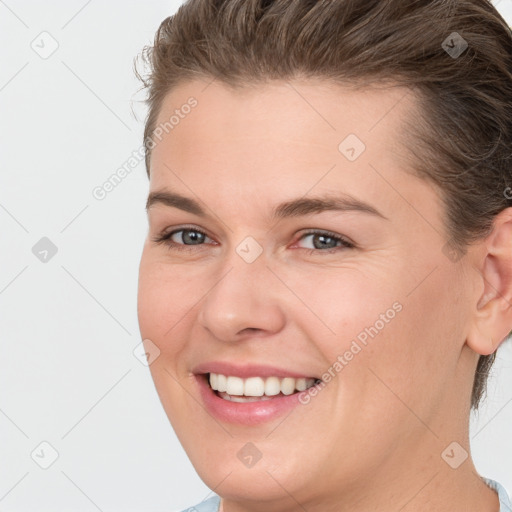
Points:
[(193, 237), (324, 238)]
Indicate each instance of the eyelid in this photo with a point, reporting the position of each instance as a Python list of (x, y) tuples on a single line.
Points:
[(345, 241)]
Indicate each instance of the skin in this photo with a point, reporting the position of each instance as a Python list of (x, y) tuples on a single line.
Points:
[(372, 439)]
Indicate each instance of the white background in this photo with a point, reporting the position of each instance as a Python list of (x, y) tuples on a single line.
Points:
[(68, 375)]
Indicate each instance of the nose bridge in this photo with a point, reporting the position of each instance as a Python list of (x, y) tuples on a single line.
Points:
[(243, 295)]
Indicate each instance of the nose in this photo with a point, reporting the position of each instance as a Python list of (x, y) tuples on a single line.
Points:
[(244, 300)]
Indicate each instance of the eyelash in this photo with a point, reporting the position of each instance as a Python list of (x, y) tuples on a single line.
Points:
[(165, 239)]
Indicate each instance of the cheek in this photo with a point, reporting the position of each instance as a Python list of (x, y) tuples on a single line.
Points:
[(162, 308), (165, 298), (151, 302), (416, 354), (344, 307), (384, 326)]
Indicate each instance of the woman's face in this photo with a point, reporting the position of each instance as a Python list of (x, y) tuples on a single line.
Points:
[(261, 279)]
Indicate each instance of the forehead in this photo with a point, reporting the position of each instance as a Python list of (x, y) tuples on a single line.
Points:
[(326, 108), (300, 118), (284, 136)]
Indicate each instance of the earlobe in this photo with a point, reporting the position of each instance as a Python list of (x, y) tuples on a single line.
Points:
[(492, 312), (482, 344)]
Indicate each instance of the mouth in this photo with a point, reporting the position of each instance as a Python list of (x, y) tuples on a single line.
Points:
[(253, 394), (256, 389)]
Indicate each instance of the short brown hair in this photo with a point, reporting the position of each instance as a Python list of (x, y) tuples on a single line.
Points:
[(456, 55)]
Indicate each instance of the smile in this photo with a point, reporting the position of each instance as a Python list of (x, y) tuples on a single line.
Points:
[(251, 389), (252, 394)]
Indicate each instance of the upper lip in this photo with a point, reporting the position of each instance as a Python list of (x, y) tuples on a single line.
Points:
[(247, 370)]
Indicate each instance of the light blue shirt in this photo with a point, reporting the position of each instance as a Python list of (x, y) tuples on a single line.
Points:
[(212, 504), (505, 505)]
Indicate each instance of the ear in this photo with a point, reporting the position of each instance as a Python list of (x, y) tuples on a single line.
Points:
[(492, 309)]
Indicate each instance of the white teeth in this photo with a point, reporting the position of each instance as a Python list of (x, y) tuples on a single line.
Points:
[(257, 386), (221, 382), (301, 384), (235, 386), (287, 386), (272, 386), (254, 386)]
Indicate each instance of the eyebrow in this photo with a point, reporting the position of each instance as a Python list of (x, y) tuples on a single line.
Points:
[(294, 208)]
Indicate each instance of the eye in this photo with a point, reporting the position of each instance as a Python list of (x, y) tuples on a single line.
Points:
[(182, 239), (187, 237), (326, 241)]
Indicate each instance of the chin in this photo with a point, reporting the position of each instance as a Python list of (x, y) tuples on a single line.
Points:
[(241, 484)]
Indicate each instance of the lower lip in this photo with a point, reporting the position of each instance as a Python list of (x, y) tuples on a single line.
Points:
[(248, 413)]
